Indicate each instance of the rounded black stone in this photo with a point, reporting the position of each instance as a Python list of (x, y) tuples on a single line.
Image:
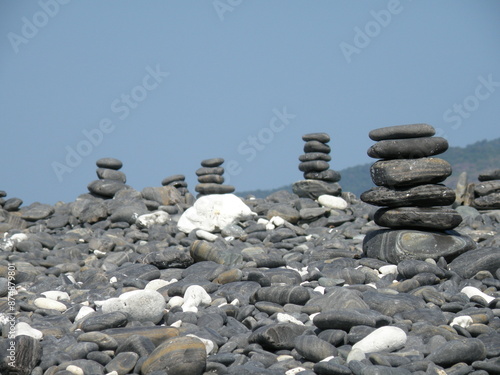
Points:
[(315, 146), (421, 195), (211, 179), (175, 178), (314, 166), (110, 163), (315, 156), (328, 176), (490, 174), (434, 218), (211, 188), (402, 131), (487, 187), (209, 170), (210, 163), (111, 174), (410, 148), (320, 137)]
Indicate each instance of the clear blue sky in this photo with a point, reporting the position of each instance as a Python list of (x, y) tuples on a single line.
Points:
[(162, 85)]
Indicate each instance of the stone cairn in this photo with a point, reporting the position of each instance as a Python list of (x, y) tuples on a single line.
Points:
[(319, 178), (412, 200), (487, 193), (110, 181), (210, 179), (178, 181)]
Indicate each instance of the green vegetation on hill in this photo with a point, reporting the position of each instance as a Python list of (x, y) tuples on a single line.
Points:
[(472, 159)]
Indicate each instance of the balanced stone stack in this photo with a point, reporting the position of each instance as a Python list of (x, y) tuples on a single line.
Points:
[(487, 193), (178, 181), (413, 201), (110, 181), (319, 178), (210, 179)]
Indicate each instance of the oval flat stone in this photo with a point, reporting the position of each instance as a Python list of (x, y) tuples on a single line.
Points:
[(383, 339), (394, 246), (313, 348), (486, 188), (99, 322), (178, 355), (421, 195), (106, 188), (343, 319), (209, 170), (171, 179), (277, 336), (157, 334), (36, 212), (436, 218), (490, 174), (282, 295), (320, 137), (111, 174), (211, 188), (122, 363), (315, 146), (110, 163), (315, 156), (213, 162), (314, 166), (410, 148), (488, 202), (468, 264), (314, 188), (402, 131), (409, 172), (211, 178), (455, 351), (328, 176)]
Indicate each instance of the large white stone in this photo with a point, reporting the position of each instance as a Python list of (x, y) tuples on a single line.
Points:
[(214, 212), (50, 304), (83, 312), (148, 220), (471, 291), (384, 339), (141, 305), (195, 296), (25, 329), (331, 201)]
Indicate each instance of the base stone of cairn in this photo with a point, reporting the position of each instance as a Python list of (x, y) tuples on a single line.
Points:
[(412, 200), (319, 179), (210, 178), (110, 181), (487, 192)]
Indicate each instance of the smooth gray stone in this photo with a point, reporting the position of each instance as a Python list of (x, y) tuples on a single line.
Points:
[(111, 174), (315, 188), (211, 188), (331, 368), (122, 363), (106, 188), (336, 337), (316, 146), (129, 213), (314, 166), (172, 179), (311, 214), (37, 211), (492, 343), (473, 261), (490, 174), (320, 137), (410, 148), (409, 172), (434, 317), (491, 366), (412, 267), (315, 156), (282, 295), (90, 211), (211, 178), (211, 163), (343, 319), (339, 298), (12, 204), (80, 350), (391, 304), (202, 250), (328, 176), (157, 334), (421, 196), (393, 246), (277, 336), (172, 257), (99, 322), (433, 218), (87, 366), (135, 271), (164, 195), (209, 170), (110, 163), (284, 211), (384, 370), (104, 341), (488, 202), (455, 351), (3, 193), (402, 131), (488, 187)]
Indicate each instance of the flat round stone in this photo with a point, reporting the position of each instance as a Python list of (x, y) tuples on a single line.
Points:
[(409, 172), (315, 156), (490, 174), (171, 179), (488, 202), (393, 246), (320, 137), (316, 146), (314, 188), (328, 176), (110, 163), (410, 148), (486, 188), (106, 188), (211, 178), (314, 166), (402, 131), (210, 188), (209, 170), (434, 218), (210, 163), (111, 174), (421, 195)]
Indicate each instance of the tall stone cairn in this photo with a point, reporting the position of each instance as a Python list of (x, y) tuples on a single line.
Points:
[(487, 192), (210, 178)]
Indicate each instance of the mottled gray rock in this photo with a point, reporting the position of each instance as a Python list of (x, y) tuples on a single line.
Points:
[(433, 218), (111, 174), (277, 336), (316, 146), (110, 163), (473, 261), (402, 131), (320, 137), (106, 188), (488, 202), (409, 148), (313, 166), (421, 196), (328, 176), (490, 174), (212, 188), (315, 188), (453, 352), (315, 156), (211, 163)]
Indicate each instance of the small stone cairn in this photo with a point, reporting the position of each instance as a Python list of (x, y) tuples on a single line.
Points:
[(319, 178), (413, 202), (487, 192), (110, 181), (178, 181), (210, 178)]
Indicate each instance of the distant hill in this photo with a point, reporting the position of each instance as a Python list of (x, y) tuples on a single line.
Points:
[(472, 159)]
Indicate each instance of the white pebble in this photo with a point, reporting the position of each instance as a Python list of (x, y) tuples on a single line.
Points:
[(83, 312), (75, 370), (46, 303), (56, 295), (112, 373), (462, 321), (295, 370), (195, 296), (389, 269), (382, 339), (158, 283), (270, 226), (99, 254), (175, 301), (26, 330), (262, 221), (311, 317), (209, 344), (286, 318), (176, 324), (284, 357), (113, 280), (327, 358), (330, 201), (235, 302), (471, 291), (204, 235), (148, 220), (277, 221), (320, 289)]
